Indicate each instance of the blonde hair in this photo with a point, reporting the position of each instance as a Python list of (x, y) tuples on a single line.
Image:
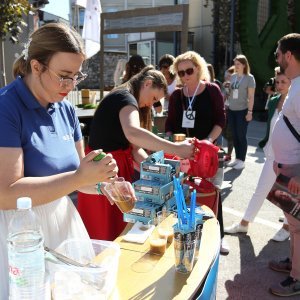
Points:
[(44, 43), (243, 60), (197, 60)]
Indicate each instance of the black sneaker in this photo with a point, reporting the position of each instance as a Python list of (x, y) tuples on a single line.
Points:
[(288, 287), (284, 266)]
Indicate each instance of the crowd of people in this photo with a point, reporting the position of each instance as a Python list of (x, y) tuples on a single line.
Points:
[(43, 154)]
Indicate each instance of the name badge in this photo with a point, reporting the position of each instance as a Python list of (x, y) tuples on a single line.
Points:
[(235, 94), (188, 119)]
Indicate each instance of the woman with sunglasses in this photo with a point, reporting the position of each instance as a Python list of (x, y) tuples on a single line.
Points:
[(118, 128), (41, 146), (241, 101), (197, 109)]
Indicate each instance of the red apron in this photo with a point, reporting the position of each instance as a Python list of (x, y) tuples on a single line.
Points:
[(102, 220)]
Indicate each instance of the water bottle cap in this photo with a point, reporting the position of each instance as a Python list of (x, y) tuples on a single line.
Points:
[(24, 203)]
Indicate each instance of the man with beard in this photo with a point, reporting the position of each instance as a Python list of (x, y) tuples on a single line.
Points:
[(287, 157)]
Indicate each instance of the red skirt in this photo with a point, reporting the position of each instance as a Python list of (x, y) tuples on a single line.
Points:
[(102, 220)]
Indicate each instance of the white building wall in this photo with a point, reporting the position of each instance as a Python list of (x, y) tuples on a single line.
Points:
[(201, 23)]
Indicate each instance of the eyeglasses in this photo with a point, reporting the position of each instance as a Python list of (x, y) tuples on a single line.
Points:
[(188, 71), (67, 81)]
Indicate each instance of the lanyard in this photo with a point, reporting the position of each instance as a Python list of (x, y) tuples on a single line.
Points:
[(237, 84), (191, 101)]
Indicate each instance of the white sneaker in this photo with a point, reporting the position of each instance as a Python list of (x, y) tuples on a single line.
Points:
[(281, 235), (224, 249), (239, 166), (233, 163), (236, 228)]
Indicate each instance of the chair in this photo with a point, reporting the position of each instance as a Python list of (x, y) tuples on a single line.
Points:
[(210, 285)]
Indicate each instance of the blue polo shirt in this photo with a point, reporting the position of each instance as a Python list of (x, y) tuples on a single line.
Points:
[(47, 136)]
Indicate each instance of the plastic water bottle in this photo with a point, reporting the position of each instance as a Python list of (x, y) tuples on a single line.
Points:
[(25, 254)]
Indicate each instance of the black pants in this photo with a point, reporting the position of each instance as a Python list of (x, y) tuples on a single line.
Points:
[(220, 216)]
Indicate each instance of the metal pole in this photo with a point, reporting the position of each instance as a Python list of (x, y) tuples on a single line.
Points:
[(70, 13), (175, 37), (232, 16), (101, 58)]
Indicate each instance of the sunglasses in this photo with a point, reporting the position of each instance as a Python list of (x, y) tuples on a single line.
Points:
[(188, 71)]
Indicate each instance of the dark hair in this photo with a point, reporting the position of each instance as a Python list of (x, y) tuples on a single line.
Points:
[(149, 72), (271, 84), (134, 65), (243, 60), (44, 43), (290, 42), (135, 84), (167, 59)]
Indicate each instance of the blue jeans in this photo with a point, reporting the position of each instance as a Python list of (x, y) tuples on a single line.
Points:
[(238, 125)]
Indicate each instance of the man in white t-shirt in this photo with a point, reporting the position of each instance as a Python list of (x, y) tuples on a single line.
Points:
[(287, 158)]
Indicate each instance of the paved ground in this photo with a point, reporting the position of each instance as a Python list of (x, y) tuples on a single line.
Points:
[(244, 273)]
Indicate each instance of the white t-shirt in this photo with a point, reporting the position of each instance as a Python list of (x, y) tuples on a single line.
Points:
[(172, 87), (285, 146), (268, 150)]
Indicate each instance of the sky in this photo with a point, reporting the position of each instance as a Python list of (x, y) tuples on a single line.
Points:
[(58, 7)]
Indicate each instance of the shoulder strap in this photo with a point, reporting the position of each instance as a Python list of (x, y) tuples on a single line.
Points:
[(292, 129)]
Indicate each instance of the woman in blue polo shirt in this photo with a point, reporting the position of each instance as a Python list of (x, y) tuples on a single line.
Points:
[(41, 147)]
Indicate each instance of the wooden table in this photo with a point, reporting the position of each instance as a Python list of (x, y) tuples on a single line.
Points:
[(142, 275)]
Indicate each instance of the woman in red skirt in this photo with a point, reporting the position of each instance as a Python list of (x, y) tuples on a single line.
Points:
[(120, 127)]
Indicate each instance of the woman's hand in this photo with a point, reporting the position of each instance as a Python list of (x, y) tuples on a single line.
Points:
[(90, 172), (185, 149), (294, 185), (249, 116), (124, 188)]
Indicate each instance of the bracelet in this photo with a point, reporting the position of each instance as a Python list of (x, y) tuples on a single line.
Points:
[(98, 188), (250, 111)]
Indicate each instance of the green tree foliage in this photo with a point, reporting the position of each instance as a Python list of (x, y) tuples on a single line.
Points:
[(11, 18), (11, 23)]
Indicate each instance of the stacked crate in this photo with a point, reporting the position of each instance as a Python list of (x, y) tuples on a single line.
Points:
[(154, 190)]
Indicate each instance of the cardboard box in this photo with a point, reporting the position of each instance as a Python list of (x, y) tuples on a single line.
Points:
[(152, 191), (160, 172), (143, 212)]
